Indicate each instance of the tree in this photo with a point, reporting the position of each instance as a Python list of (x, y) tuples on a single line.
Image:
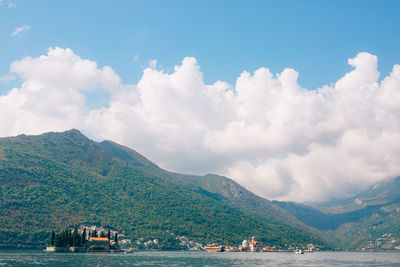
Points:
[(116, 238), (102, 234), (58, 240), (76, 237), (52, 238), (109, 235), (83, 238), (94, 233), (63, 238), (69, 241)]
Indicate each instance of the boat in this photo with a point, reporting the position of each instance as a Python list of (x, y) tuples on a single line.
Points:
[(299, 251), (214, 248)]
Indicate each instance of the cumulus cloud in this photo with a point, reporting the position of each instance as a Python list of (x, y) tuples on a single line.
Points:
[(21, 29), (52, 94), (62, 69), (268, 133)]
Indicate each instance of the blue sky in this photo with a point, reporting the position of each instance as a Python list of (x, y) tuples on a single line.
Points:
[(313, 37), (273, 133)]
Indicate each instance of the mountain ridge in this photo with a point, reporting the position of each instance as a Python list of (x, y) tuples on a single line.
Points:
[(46, 178), (368, 220), (215, 186)]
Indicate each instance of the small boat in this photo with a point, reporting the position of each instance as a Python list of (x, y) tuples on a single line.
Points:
[(299, 251), (214, 248)]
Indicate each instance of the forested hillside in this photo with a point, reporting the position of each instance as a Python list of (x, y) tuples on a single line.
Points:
[(369, 220), (56, 180)]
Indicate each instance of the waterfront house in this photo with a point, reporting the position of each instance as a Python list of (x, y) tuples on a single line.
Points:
[(98, 244), (255, 246), (269, 249)]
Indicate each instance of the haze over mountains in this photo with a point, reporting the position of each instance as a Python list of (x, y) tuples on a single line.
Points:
[(56, 180)]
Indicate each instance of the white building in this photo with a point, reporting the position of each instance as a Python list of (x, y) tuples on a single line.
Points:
[(255, 246)]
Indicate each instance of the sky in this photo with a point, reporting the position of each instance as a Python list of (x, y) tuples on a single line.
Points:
[(295, 100)]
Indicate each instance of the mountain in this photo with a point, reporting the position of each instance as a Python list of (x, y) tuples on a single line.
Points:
[(378, 194), (369, 220), (57, 180), (215, 186)]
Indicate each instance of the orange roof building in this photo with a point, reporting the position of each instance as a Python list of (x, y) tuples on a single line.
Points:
[(105, 239), (255, 246), (100, 242)]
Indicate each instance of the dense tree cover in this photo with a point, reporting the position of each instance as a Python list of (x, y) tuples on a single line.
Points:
[(56, 180), (67, 238), (23, 239)]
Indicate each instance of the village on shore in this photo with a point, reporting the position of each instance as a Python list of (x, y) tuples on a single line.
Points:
[(256, 246), (93, 238)]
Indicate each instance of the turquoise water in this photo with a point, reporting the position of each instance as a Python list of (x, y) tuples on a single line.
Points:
[(158, 258)]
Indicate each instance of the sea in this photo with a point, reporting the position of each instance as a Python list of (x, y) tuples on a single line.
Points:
[(189, 258)]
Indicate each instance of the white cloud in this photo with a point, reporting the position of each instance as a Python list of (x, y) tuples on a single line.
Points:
[(274, 137), (61, 68), (12, 5), (4, 79), (153, 63), (18, 30), (52, 94)]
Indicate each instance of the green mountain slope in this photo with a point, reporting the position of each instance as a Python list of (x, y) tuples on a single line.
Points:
[(56, 180), (381, 193), (217, 187), (370, 220), (214, 186)]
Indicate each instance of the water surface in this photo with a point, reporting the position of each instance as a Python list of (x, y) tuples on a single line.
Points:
[(186, 258)]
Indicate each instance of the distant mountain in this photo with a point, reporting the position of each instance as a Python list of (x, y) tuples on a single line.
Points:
[(378, 194), (56, 180), (369, 220)]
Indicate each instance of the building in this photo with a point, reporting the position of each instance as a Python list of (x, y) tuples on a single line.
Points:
[(114, 246), (269, 249), (56, 249), (311, 247), (125, 243), (255, 246), (98, 244), (244, 246)]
